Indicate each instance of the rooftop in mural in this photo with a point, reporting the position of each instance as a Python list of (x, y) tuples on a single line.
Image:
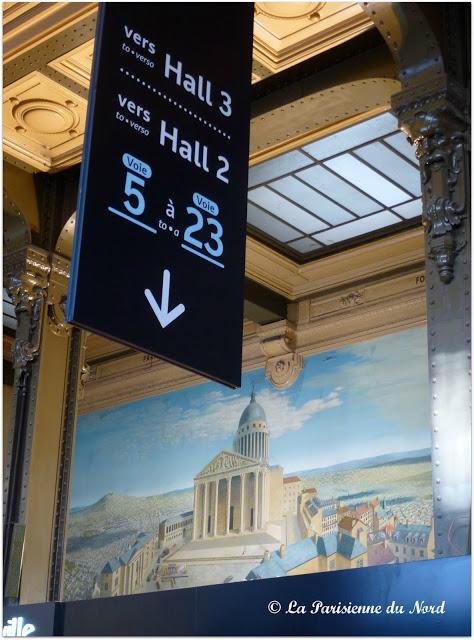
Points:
[(412, 534), (124, 558), (294, 555)]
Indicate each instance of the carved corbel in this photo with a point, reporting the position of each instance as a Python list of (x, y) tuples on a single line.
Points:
[(283, 371), (278, 343), (437, 124)]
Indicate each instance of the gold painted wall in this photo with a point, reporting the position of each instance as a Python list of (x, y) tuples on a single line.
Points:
[(21, 189)]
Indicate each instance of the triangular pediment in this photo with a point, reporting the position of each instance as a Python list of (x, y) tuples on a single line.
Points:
[(226, 461)]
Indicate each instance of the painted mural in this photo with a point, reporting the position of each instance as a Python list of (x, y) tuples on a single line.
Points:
[(206, 485)]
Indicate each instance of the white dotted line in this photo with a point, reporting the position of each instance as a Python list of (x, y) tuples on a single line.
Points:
[(176, 104)]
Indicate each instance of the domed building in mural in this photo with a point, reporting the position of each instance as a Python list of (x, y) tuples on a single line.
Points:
[(238, 492), (253, 437)]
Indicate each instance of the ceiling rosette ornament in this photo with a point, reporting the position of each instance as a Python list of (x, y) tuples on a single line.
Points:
[(289, 10), (45, 116)]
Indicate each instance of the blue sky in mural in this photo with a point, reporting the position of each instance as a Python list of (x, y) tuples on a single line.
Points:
[(355, 402)]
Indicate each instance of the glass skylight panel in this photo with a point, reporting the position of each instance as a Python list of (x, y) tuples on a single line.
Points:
[(367, 179), (305, 196), (352, 136), (304, 245), (400, 143), (271, 226), (285, 210), (337, 188), (410, 209), (326, 182), (276, 167), (357, 228), (392, 165)]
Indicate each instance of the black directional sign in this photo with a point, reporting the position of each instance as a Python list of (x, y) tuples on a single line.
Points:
[(159, 248)]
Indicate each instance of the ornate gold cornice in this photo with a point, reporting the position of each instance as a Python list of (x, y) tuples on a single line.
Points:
[(294, 281)]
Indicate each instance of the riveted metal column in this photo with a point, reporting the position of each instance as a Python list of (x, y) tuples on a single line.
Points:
[(435, 119), (26, 279), (54, 423), (47, 358), (74, 386)]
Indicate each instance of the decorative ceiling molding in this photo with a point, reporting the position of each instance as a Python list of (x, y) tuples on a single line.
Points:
[(43, 122), (284, 276), (76, 64), (289, 10), (388, 304), (289, 32), (272, 269), (28, 24)]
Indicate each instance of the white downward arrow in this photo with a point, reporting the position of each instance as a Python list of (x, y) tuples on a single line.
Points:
[(164, 316)]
